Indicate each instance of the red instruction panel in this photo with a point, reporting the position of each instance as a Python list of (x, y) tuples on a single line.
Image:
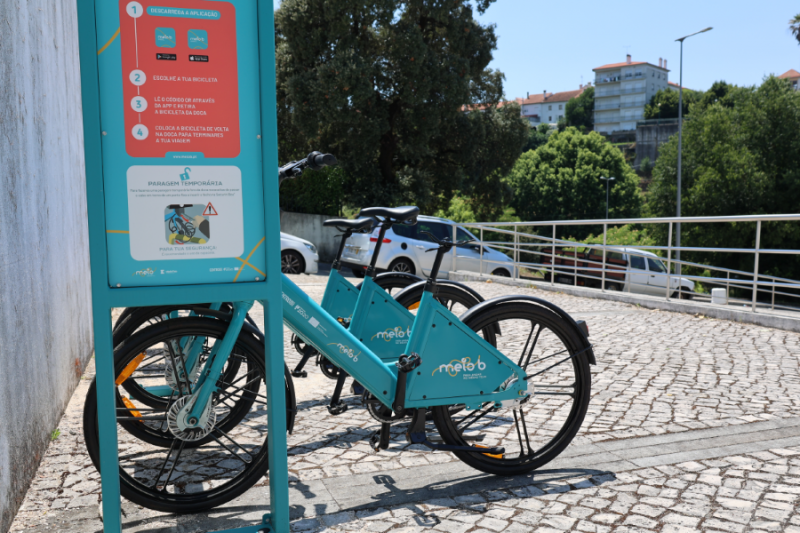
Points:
[(180, 85)]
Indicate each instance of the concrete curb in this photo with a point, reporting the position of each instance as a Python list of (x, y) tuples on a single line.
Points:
[(677, 306)]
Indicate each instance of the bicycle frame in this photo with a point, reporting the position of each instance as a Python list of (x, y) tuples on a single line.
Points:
[(472, 379)]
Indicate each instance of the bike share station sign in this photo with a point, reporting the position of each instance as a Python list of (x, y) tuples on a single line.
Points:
[(182, 186)]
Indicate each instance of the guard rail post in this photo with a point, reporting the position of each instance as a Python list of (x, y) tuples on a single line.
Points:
[(755, 266)]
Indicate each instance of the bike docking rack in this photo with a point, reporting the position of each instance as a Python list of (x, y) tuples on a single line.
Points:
[(188, 119)]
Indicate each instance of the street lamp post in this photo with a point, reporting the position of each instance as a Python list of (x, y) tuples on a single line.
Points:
[(606, 180), (680, 146)]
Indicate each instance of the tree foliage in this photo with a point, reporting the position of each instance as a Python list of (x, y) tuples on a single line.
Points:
[(668, 99), (381, 85), (536, 137), (737, 160), (561, 180), (580, 111), (794, 27)]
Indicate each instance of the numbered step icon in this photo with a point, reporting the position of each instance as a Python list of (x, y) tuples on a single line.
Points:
[(137, 77), (134, 9), (138, 103), (140, 132)]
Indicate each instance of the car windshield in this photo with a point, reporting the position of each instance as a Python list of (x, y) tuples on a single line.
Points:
[(656, 265)]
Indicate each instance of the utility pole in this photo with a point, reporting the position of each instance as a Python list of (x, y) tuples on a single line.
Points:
[(680, 148)]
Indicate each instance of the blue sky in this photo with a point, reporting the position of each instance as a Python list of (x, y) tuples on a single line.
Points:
[(549, 45)]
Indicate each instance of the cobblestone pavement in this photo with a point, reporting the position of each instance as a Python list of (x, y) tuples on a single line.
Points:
[(757, 492), (657, 373)]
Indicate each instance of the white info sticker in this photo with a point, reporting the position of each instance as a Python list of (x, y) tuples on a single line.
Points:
[(185, 212)]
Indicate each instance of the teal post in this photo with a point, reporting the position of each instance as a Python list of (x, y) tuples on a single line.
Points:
[(273, 309), (104, 297)]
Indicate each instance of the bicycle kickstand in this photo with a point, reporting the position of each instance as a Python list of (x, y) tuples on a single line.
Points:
[(416, 435), (380, 439), (308, 353), (337, 406)]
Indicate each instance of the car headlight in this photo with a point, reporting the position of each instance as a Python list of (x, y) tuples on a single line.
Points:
[(311, 247)]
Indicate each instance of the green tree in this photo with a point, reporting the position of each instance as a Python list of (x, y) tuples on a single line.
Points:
[(669, 103), (381, 85), (580, 111), (536, 137), (561, 181), (794, 27), (737, 160)]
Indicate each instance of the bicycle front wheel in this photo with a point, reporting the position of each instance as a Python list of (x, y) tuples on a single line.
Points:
[(540, 426), (198, 470)]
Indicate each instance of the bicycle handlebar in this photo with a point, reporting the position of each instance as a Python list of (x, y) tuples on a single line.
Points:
[(314, 161)]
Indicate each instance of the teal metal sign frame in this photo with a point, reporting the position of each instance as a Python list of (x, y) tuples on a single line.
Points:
[(265, 288)]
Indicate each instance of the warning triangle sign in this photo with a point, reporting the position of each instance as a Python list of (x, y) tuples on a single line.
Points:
[(209, 210)]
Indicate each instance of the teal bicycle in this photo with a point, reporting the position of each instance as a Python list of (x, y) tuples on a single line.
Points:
[(511, 373)]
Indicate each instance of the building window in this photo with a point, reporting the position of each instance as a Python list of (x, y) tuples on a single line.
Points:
[(561, 106), (549, 108), (550, 118)]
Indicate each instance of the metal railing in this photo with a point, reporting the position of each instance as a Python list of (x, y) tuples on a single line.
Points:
[(609, 273)]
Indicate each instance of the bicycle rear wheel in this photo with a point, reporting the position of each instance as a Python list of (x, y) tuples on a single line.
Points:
[(541, 426), (185, 473)]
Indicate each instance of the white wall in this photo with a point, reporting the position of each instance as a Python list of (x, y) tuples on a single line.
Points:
[(45, 309)]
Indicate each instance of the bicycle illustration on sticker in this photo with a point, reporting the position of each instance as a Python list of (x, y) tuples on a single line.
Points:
[(186, 224)]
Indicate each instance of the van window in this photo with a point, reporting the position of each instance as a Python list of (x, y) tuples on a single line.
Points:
[(464, 236), (656, 265), (637, 261), (440, 231), (401, 230)]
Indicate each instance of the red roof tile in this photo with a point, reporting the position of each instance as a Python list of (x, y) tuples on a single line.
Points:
[(791, 73), (624, 64)]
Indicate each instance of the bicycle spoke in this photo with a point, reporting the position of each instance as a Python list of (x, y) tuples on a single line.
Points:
[(223, 398), (175, 369), (163, 466), (525, 429), (226, 447), (535, 340), (525, 349), (161, 358), (487, 411), (233, 441), (174, 463)]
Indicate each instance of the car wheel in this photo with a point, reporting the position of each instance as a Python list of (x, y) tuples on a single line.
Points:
[(502, 272), (358, 272), (292, 262), (612, 287), (402, 265)]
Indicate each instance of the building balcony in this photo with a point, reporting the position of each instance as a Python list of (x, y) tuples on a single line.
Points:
[(610, 119), (600, 107), (608, 79), (632, 104), (633, 90), (611, 92)]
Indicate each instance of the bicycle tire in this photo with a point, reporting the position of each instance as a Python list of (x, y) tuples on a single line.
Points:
[(559, 329), (132, 487), (145, 316)]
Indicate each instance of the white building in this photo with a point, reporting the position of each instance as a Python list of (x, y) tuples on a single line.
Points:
[(544, 108), (547, 108), (622, 90)]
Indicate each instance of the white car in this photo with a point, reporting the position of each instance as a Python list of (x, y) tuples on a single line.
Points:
[(405, 249), (298, 256)]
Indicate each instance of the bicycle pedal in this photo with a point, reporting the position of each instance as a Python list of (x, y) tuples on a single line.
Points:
[(337, 409), (301, 374)]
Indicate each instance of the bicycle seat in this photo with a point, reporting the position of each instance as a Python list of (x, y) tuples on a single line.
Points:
[(394, 214), (345, 224)]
